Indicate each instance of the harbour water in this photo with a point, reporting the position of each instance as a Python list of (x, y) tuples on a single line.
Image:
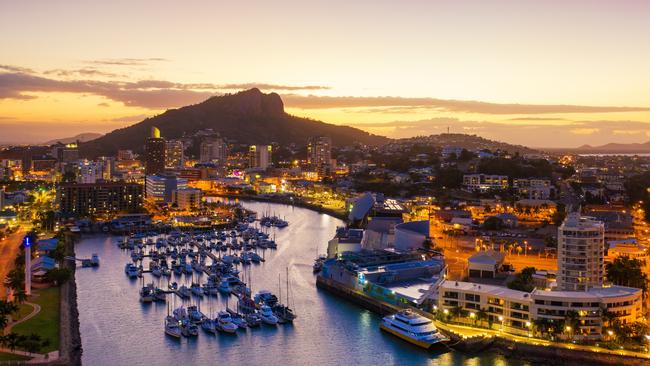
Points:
[(116, 329)]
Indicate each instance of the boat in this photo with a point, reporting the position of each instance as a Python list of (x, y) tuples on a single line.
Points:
[(184, 292), (209, 325), (189, 329), (253, 319), (265, 297), (413, 328), (172, 328), (94, 260), (318, 266), (284, 313), (224, 323), (224, 287), (267, 316), (131, 270), (195, 314), (147, 293), (237, 318), (196, 289)]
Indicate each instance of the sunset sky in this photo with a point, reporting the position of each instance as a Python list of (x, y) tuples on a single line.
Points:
[(541, 73)]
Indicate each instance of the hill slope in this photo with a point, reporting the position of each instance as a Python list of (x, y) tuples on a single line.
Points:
[(82, 137), (249, 117)]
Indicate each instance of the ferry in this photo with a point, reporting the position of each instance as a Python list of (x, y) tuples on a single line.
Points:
[(413, 328)]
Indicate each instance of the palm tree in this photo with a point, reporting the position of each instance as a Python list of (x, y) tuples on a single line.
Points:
[(12, 340)]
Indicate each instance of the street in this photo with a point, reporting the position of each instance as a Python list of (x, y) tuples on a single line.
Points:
[(8, 251)]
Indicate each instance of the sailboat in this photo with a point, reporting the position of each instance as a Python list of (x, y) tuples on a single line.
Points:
[(284, 312)]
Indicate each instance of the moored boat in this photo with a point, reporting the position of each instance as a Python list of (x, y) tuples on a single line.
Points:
[(413, 328)]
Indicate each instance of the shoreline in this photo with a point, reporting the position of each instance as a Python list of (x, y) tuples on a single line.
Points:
[(70, 348), (539, 354), (284, 201)]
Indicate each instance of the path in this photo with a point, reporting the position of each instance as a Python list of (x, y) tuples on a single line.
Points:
[(36, 310)]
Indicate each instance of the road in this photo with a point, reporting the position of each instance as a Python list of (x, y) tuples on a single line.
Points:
[(8, 251)]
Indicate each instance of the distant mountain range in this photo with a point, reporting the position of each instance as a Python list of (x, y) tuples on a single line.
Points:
[(249, 117), (82, 137), (617, 148)]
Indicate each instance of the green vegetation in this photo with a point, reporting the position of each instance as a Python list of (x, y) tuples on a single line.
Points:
[(12, 357), (524, 280), (46, 322), (625, 271)]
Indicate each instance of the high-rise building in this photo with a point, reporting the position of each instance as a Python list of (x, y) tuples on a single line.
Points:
[(99, 198), (319, 155), (260, 156), (174, 157), (159, 188), (154, 153), (214, 150), (581, 250), (187, 198)]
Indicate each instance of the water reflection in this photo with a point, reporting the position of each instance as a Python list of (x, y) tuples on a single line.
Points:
[(117, 329)]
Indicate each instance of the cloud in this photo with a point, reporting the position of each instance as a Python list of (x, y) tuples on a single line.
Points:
[(536, 119), (264, 86), (126, 61), (128, 119), (12, 68), (584, 131), (450, 105), (85, 72), (103, 105)]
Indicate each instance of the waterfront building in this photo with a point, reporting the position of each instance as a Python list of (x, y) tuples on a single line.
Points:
[(187, 198), (260, 156), (319, 155), (345, 240), (213, 150), (159, 188), (78, 199), (154, 153), (516, 311), (581, 252), (174, 157), (485, 182), (411, 235)]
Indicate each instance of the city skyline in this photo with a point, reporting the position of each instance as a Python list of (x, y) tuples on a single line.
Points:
[(539, 74)]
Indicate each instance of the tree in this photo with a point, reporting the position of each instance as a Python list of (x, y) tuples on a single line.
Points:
[(626, 271), (58, 275), (6, 308), (524, 280)]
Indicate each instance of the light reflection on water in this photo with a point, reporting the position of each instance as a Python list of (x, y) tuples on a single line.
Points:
[(116, 329)]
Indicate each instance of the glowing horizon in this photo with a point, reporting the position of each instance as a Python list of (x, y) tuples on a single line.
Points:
[(545, 74)]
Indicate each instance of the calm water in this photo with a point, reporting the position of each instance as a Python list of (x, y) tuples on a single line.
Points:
[(116, 329)]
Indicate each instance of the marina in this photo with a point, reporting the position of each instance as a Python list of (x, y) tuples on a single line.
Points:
[(328, 330)]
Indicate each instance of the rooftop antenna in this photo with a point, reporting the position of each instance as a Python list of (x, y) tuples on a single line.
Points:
[(447, 129)]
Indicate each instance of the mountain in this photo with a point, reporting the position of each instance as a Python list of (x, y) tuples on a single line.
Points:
[(249, 117), (82, 137), (642, 148)]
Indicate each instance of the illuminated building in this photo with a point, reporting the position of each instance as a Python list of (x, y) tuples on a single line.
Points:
[(78, 199), (213, 150), (260, 156), (187, 198), (154, 153), (159, 188), (581, 252), (319, 155), (484, 182), (174, 154)]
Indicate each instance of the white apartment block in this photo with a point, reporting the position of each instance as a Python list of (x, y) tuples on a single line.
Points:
[(581, 253), (516, 311), (485, 182)]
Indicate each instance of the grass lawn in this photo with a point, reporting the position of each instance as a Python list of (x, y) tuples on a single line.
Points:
[(23, 311), (11, 357), (45, 323)]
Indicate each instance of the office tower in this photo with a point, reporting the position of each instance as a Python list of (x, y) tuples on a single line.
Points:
[(214, 150), (260, 156), (159, 188), (154, 153), (174, 154), (581, 245), (319, 155)]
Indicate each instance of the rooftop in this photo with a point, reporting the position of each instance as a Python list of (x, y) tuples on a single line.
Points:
[(497, 291)]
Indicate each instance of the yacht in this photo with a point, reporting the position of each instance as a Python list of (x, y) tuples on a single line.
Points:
[(172, 328), (267, 315), (224, 287), (413, 328), (224, 323)]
